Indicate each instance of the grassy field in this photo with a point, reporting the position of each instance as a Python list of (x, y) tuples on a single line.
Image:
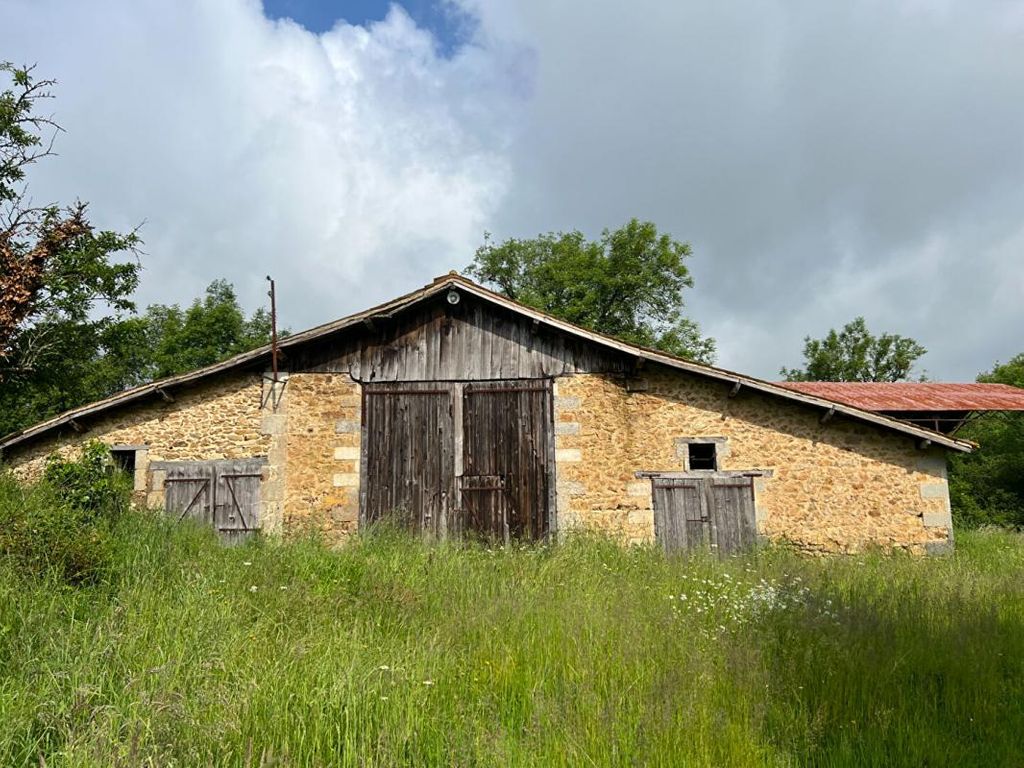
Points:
[(394, 652)]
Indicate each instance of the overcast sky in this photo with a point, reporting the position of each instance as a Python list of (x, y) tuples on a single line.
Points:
[(826, 160)]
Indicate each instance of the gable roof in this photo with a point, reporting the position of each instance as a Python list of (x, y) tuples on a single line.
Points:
[(909, 396), (454, 280)]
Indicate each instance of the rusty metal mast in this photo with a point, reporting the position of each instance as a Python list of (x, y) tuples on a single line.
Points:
[(273, 327)]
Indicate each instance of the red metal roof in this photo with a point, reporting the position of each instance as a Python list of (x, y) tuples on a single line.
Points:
[(914, 396)]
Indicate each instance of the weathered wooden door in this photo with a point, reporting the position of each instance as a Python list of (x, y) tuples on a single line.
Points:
[(716, 512), (224, 494), (188, 490), (452, 459), (409, 437), (236, 498), (506, 443)]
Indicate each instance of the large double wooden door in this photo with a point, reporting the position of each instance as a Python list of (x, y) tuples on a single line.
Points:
[(453, 459)]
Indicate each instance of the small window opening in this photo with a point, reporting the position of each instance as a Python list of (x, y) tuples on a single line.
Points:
[(124, 459), (702, 456)]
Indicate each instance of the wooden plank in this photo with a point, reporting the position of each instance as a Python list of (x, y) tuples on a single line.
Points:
[(681, 514)]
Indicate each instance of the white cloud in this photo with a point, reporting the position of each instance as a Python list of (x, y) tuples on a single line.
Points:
[(826, 160), (343, 164)]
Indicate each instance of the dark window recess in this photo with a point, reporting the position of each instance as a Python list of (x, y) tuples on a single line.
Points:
[(124, 460), (702, 456)]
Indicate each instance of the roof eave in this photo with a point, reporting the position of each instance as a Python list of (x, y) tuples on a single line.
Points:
[(446, 282)]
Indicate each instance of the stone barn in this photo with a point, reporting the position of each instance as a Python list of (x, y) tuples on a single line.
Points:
[(457, 412)]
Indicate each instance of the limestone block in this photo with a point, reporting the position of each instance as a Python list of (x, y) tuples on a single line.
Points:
[(568, 455), (570, 488), (566, 403), (346, 479), (640, 517), (141, 477), (934, 490), (344, 514), (932, 464), (347, 453), (567, 428), (939, 547), (346, 426), (159, 476), (937, 520), (272, 423), (640, 488)]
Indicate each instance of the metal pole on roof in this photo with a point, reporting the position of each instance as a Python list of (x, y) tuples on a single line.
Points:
[(273, 327)]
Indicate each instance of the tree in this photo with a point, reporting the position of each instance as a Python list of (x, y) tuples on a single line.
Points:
[(210, 330), (856, 354), (55, 271), (987, 486), (628, 284)]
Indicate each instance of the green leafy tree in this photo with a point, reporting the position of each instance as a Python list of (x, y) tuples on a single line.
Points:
[(210, 330), (56, 271), (629, 283), (856, 354), (987, 487)]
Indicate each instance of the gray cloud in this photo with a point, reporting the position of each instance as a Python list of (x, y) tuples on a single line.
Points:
[(826, 160)]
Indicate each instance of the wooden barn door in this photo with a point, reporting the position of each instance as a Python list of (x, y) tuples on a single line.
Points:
[(506, 444), (188, 491), (681, 521), (718, 512), (236, 498), (224, 494), (733, 523), (409, 476)]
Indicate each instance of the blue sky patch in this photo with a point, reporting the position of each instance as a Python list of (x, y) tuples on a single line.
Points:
[(449, 26)]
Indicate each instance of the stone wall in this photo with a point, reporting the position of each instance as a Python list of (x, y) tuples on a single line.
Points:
[(838, 486), (219, 419), (834, 487), (321, 454), (307, 425)]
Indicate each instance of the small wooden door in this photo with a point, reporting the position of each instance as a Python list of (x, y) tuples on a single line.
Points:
[(505, 480), (188, 490), (409, 476), (236, 498), (224, 494), (716, 512)]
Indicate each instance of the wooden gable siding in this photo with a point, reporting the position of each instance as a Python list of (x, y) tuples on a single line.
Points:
[(467, 342)]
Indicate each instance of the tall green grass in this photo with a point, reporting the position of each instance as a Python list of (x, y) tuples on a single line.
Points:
[(396, 652)]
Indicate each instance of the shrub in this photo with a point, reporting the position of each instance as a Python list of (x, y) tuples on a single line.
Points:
[(62, 525), (90, 484)]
